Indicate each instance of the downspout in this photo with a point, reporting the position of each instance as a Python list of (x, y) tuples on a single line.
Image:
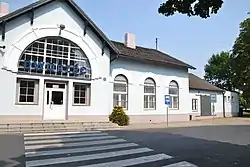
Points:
[(224, 114)]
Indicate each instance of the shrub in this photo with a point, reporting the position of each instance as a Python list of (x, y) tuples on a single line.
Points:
[(119, 117)]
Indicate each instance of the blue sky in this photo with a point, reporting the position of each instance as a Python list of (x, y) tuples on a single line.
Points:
[(192, 40)]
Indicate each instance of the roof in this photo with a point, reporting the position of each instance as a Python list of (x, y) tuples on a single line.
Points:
[(197, 83), (143, 53), (73, 5)]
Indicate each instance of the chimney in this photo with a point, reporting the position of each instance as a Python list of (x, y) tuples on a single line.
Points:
[(4, 8), (130, 40)]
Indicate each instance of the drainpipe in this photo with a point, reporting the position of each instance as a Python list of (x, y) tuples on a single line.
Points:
[(224, 114)]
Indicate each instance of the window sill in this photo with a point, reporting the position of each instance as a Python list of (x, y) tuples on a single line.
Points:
[(29, 104), (194, 110), (175, 109), (80, 105), (149, 109)]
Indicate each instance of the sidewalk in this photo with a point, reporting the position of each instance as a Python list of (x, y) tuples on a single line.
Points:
[(206, 122)]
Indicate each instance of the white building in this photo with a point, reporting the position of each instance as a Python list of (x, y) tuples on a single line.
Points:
[(222, 104), (56, 64)]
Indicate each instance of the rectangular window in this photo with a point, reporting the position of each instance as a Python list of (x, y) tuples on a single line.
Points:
[(174, 102), (120, 100), (81, 94), (120, 96), (149, 102), (27, 91), (149, 97), (194, 104)]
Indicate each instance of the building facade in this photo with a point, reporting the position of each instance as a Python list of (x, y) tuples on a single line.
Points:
[(209, 100), (56, 64)]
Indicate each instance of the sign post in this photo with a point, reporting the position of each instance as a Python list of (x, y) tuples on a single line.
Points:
[(167, 100), (213, 100)]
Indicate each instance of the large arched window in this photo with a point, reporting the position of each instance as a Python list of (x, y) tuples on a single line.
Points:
[(120, 92), (149, 94), (174, 94), (55, 56)]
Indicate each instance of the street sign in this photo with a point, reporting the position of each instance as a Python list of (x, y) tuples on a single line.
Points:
[(213, 98), (167, 99)]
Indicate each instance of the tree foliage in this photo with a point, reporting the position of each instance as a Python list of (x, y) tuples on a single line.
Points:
[(201, 8), (219, 72), (241, 61)]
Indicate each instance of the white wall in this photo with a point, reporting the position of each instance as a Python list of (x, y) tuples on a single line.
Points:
[(231, 108), (19, 34), (231, 103), (218, 106), (136, 74)]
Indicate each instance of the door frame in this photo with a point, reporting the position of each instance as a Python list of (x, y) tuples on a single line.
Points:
[(65, 96)]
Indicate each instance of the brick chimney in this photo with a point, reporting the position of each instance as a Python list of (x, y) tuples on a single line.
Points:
[(130, 40), (4, 8)]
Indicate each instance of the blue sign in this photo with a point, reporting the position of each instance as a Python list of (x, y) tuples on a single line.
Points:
[(167, 99), (73, 69)]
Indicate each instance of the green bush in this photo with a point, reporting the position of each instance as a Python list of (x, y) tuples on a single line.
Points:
[(119, 117)]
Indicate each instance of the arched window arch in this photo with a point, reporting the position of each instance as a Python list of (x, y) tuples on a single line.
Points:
[(149, 94), (120, 91), (174, 94), (55, 56)]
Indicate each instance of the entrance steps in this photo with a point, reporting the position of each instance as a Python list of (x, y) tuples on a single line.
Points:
[(54, 126)]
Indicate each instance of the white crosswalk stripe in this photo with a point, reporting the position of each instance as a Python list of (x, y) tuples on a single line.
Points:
[(90, 149)]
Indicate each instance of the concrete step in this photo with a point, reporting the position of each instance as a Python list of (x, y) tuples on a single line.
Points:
[(28, 127), (60, 130)]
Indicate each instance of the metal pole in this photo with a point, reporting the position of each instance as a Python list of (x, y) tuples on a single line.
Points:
[(213, 112), (167, 115)]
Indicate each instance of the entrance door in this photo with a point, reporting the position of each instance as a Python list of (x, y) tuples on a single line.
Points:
[(206, 106), (55, 101)]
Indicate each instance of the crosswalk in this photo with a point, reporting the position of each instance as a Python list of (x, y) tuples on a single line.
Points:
[(91, 149)]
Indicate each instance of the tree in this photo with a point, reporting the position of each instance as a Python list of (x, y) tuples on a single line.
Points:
[(201, 8), (219, 72), (241, 60)]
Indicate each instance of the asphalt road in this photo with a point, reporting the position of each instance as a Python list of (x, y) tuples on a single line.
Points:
[(211, 146)]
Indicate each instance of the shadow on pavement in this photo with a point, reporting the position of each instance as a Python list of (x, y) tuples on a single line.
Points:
[(13, 162), (12, 151), (202, 146)]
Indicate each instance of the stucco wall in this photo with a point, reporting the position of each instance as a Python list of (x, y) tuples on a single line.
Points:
[(232, 103), (136, 74), (19, 34)]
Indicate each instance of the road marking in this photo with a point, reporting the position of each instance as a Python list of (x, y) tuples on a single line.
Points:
[(64, 136), (86, 157), (181, 164), (59, 133), (132, 161), (64, 140), (49, 146), (79, 150)]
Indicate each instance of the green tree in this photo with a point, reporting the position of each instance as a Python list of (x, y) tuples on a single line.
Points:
[(219, 72), (201, 8), (241, 61), (243, 101)]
